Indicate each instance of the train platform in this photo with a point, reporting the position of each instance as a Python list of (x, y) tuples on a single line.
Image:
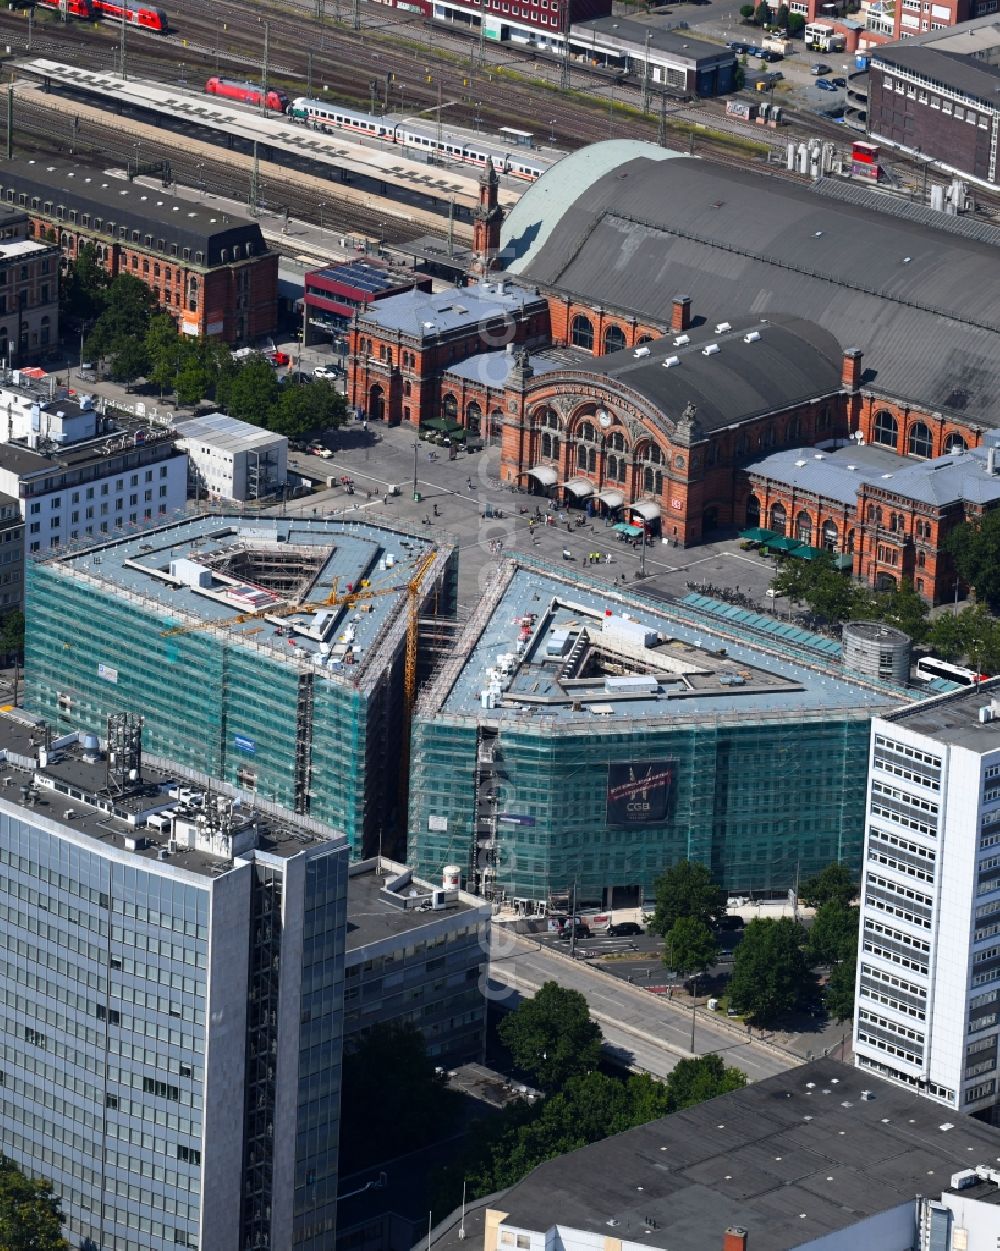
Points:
[(372, 168)]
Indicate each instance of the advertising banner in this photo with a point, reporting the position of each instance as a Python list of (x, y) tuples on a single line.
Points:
[(640, 793)]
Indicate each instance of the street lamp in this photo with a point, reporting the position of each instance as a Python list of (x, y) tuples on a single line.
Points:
[(645, 75), (694, 1018), (416, 448)]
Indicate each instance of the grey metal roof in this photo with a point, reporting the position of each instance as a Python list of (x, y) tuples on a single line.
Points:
[(677, 44), (792, 1159), (491, 369), (954, 719), (923, 303), (227, 433), (422, 314), (838, 474), (953, 58), (86, 189), (791, 362)]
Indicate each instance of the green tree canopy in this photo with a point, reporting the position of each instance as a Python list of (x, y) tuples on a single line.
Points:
[(686, 889), (834, 883), (30, 1216), (392, 1101), (796, 23), (902, 607), (782, 16), (839, 995), (833, 935), (253, 393), (128, 308), (84, 288), (761, 13), (972, 636), (690, 947), (974, 546), (829, 592), (12, 633), (746, 12), (552, 1036), (770, 972), (129, 360)]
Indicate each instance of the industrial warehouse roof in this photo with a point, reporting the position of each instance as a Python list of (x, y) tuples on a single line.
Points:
[(244, 577), (957, 57), (790, 1159), (89, 199), (673, 45), (837, 475), (545, 645), (619, 227), (423, 315), (224, 433), (751, 368)]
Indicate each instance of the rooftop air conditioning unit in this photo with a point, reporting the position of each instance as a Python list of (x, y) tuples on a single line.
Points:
[(752, 337), (671, 361), (710, 350), (641, 351), (681, 340), (722, 327)]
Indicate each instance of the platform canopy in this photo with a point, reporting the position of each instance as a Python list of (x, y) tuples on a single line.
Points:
[(544, 474), (579, 487), (647, 509)]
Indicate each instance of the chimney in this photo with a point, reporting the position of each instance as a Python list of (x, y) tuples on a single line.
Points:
[(680, 317), (850, 377), (735, 1239)]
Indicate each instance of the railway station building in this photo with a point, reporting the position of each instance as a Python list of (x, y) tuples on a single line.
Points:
[(587, 735), (212, 272), (276, 654), (698, 320)]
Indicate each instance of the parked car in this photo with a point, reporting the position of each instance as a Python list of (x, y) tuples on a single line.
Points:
[(317, 449), (768, 55), (817, 69), (582, 931), (624, 929), (824, 85), (277, 357), (839, 83), (740, 48), (325, 371)]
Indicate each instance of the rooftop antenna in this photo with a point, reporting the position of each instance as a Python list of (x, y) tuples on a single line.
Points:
[(124, 760)]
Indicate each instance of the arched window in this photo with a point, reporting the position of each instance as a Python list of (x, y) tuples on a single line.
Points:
[(550, 446), (851, 540), (753, 512), (652, 481), (921, 559), (585, 430), (886, 428), (548, 418), (644, 338), (586, 457), (496, 425), (616, 442), (582, 333), (474, 418), (449, 409), (614, 339), (919, 442), (779, 518), (651, 454), (830, 536), (792, 430), (803, 528), (955, 443), (615, 468)]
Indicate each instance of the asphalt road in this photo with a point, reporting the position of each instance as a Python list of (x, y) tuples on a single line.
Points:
[(653, 1032)]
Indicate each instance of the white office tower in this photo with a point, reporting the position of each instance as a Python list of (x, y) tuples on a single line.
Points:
[(929, 966)]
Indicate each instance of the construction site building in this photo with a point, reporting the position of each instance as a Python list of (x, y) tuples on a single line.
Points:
[(277, 653)]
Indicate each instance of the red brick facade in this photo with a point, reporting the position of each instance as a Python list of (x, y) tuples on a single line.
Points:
[(236, 301)]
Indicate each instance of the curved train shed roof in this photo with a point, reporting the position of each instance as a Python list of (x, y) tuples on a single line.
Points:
[(627, 226)]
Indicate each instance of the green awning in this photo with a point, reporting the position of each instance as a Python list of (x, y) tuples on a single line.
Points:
[(805, 552), (435, 423), (782, 543), (624, 528), (757, 535)]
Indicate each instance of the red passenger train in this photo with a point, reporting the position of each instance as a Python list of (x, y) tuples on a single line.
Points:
[(246, 93), (143, 15)]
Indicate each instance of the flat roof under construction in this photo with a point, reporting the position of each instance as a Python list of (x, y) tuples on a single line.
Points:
[(274, 582), (548, 645)]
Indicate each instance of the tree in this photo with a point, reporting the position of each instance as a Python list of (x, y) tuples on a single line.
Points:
[(747, 12), (782, 16), (827, 590), (836, 883), (128, 359), (552, 1036), (705, 1077), (12, 634), (165, 351), (30, 1216), (253, 393), (796, 23), (839, 994), (902, 607), (770, 971), (973, 635), (974, 546), (380, 1118), (761, 14), (84, 287), (128, 307), (690, 947), (686, 889), (833, 935)]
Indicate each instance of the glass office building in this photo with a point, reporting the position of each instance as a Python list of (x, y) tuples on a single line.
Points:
[(172, 994), (235, 639), (587, 737)]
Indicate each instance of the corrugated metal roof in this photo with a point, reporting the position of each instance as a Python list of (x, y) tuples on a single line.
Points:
[(922, 302), (226, 433)]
